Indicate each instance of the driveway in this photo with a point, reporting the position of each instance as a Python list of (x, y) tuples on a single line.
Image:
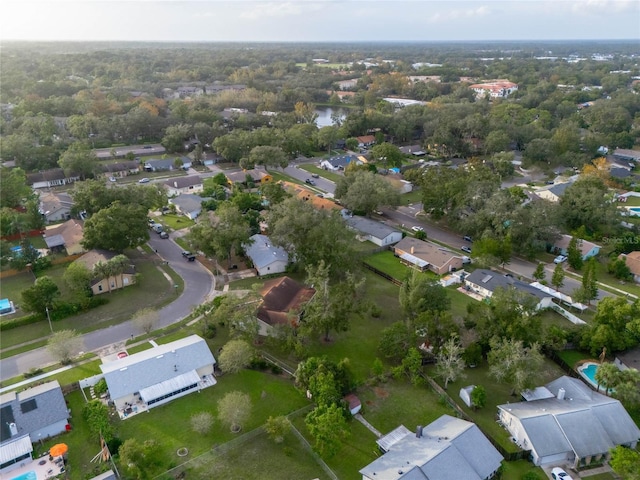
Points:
[(199, 286)]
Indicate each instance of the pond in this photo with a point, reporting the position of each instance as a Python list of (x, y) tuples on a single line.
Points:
[(324, 115)]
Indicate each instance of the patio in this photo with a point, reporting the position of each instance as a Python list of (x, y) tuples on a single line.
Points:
[(42, 467)]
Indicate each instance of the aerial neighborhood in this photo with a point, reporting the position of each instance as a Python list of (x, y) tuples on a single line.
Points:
[(363, 261)]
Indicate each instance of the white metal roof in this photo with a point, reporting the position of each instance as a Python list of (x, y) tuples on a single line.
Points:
[(168, 386), (15, 449)]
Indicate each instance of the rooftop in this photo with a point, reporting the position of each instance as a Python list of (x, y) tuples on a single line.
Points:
[(371, 227)]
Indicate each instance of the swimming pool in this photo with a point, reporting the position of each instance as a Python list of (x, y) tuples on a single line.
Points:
[(634, 211), (27, 476), (588, 371)]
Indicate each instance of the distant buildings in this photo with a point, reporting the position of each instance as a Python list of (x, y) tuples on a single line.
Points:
[(494, 88)]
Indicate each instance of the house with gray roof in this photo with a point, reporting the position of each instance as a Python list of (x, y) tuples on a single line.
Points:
[(339, 163), (485, 282), (553, 193), (159, 375), (55, 206), (376, 232), (572, 423), (159, 164), (445, 449), (266, 257), (29, 416), (188, 204), (178, 185)]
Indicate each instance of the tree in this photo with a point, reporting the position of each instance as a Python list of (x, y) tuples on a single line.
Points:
[(96, 415), (305, 112), (175, 137), (539, 273), (419, 294), (78, 278), (387, 154), (606, 375), (327, 137), (612, 326), (235, 356), (619, 269), (146, 319), (224, 236), (331, 307), (201, 422), (587, 202), (478, 396), (308, 380), (589, 289), (363, 192), (574, 255), (511, 362), (328, 426), (268, 156), (80, 160), (116, 228), (557, 279), (139, 458), (397, 339), (234, 410), (411, 366), (450, 364), (625, 462), (277, 428), (40, 296), (64, 344), (13, 187)]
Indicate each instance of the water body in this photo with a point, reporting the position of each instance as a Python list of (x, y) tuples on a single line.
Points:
[(324, 115)]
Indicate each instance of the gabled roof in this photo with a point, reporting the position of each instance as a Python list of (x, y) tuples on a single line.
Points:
[(341, 161), (491, 281), (584, 421), (241, 177), (121, 166), (95, 256), (446, 442), (32, 409), (263, 253), (156, 365), (46, 176), (71, 232), (51, 202), (280, 297), (160, 163), (632, 259), (184, 182), (187, 202), (583, 245), (428, 252), (371, 227), (366, 139)]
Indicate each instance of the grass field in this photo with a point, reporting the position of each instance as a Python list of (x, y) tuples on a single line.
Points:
[(152, 290), (388, 263), (308, 167), (174, 222)]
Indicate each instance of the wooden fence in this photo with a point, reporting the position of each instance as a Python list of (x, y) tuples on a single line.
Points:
[(386, 276)]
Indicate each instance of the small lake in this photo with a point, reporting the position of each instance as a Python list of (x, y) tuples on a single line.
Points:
[(324, 115)]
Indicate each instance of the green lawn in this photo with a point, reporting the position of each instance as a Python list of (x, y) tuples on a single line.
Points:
[(572, 357), (388, 263), (311, 168), (516, 470), (175, 222), (414, 196), (152, 290)]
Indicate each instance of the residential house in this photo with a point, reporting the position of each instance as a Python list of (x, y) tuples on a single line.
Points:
[(424, 78), (486, 282), (338, 163), (54, 177), (189, 92), (55, 207), (494, 88), (30, 416), (257, 176), (366, 140), (267, 259), (569, 423), (448, 448), (619, 173), (120, 169), (628, 359), (159, 164), (106, 284), (67, 236), (283, 300), (403, 102), (216, 88), (428, 256), (160, 374), (415, 150), (347, 84), (373, 231), (176, 186), (553, 192), (632, 259), (188, 204), (587, 249), (626, 155), (306, 195)]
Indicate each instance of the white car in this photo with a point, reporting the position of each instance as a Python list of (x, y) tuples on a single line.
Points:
[(144, 180), (559, 474), (560, 259), (112, 179), (417, 228)]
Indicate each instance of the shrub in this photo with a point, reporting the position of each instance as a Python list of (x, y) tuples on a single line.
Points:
[(100, 387)]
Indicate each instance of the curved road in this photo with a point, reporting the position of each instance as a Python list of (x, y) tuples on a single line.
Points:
[(199, 286)]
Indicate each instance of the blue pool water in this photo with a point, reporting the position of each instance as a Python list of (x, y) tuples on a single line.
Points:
[(4, 303), (635, 210), (590, 373), (27, 476)]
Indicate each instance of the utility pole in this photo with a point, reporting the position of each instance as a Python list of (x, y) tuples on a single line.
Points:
[(49, 318)]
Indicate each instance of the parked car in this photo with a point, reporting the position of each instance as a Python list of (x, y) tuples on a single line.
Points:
[(315, 175), (191, 258), (144, 180), (164, 235), (464, 248), (467, 238), (112, 179), (157, 228), (417, 228), (308, 181), (186, 253), (559, 474), (560, 259)]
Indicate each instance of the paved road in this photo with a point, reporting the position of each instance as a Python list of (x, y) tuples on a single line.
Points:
[(198, 286), (300, 174)]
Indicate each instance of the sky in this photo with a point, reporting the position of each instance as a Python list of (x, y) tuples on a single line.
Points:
[(318, 20)]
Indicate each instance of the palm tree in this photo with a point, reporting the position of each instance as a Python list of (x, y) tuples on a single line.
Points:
[(119, 265), (103, 270), (607, 375)]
